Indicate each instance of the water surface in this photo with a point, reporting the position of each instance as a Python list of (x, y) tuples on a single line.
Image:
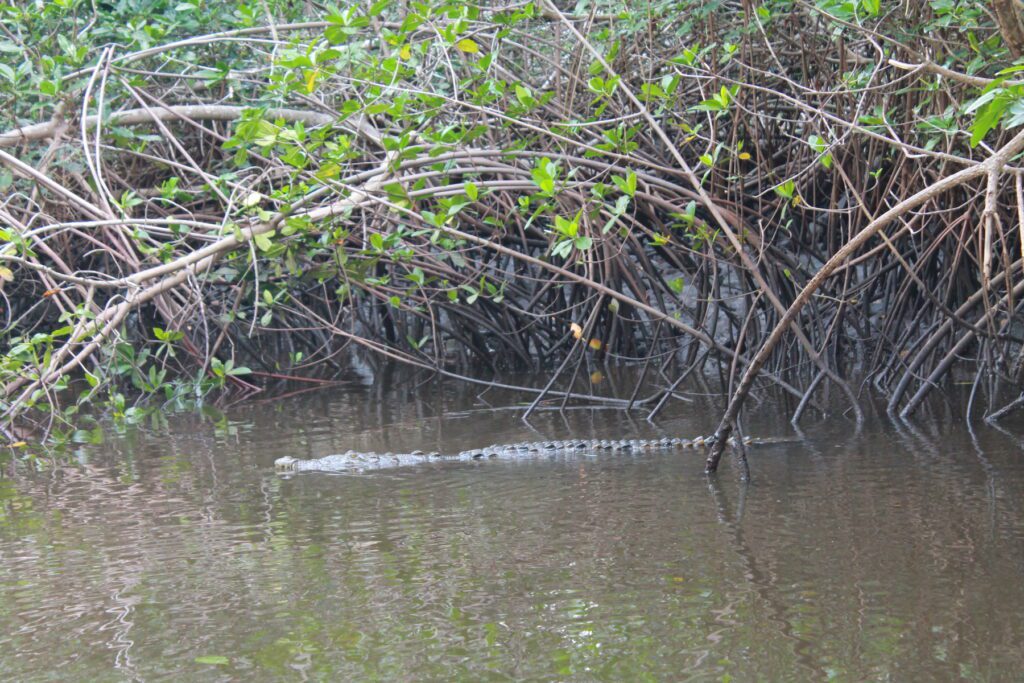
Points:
[(175, 552)]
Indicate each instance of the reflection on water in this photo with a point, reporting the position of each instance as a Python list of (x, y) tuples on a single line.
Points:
[(179, 553)]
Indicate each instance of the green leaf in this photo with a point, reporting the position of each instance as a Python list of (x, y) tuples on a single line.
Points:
[(467, 45), (985, 98), (263, 241), (689, 215), (566, 227), (212, 659), (621, 204), (471, 190), (562, 248), (524, 96), (627, 185), (987, 118), (707, 105), (416, 276), (819, 145), (786, 189), (1016, 111), (544, 174)]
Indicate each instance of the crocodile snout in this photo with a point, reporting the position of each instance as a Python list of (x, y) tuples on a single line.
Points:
[(285, 464)]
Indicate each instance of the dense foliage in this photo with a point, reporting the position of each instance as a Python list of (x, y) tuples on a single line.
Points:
[(199, 196)]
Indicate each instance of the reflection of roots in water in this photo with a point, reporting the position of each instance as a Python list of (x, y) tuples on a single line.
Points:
[(762, 582), (94, 501)]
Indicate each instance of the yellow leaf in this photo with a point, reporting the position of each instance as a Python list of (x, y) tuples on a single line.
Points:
[(6, 275), (405, 52), (17, 444), (744, 156), (468, 45), (595, 344), (310, 81), (596, 377), (577, 331)]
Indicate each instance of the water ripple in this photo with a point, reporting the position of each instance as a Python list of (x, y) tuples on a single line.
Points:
[(859, 558)]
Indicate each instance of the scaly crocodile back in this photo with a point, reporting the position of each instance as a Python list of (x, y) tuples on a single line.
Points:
[(354, 461)]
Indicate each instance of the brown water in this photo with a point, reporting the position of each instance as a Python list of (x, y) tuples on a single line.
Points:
[(175, 553)]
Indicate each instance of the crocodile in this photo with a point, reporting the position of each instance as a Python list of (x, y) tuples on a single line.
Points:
[(354, 461)]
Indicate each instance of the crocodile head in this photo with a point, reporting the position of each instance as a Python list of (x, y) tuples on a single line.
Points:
[(285, 464)]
